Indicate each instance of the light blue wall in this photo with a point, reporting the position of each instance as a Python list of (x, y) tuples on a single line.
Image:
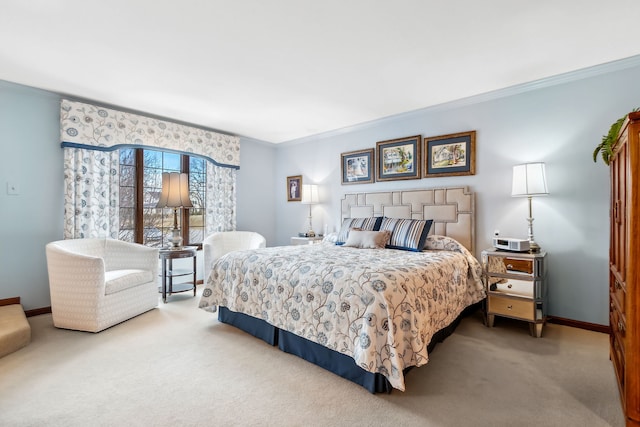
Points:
[(256, 193), (559, 122), (30, 157)]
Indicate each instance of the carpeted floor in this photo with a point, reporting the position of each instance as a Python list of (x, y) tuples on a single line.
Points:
[(177, 366)]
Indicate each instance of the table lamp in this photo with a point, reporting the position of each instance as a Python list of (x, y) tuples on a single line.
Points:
[(310, 197), (175, 194), (529, 180)]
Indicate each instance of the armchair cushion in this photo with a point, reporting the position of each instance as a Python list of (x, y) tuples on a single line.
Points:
[(119, 280)]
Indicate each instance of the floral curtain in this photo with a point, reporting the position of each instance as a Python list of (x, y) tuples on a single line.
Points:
[(91, 137), (91, 193), (221, 199)]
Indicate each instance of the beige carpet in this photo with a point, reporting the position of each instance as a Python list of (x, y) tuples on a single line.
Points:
[(177, 366)]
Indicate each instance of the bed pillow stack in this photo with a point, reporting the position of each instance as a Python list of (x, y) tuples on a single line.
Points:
[(406, 234), (367, 224)]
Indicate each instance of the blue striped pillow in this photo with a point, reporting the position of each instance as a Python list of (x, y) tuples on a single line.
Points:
[(406, 234), (368, 224)]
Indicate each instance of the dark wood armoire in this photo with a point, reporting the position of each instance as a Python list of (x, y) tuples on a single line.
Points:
[(624, 266)]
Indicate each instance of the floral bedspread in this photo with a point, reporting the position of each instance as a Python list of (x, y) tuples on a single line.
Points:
[(379, 306)]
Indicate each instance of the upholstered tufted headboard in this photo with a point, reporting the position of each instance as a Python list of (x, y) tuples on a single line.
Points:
[(451, 209)]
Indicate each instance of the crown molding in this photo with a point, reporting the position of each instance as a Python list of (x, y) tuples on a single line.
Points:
[(571, 76)]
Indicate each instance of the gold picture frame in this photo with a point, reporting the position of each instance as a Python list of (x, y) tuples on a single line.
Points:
[(294, 188), (357, 166), (398, 158), (450, 155)]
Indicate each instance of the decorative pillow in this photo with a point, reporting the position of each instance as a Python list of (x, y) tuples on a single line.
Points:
[(370, 224), (368, 239), (407, 234), (330, 238)]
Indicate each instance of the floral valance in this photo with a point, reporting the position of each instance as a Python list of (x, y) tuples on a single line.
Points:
[(93, 127)]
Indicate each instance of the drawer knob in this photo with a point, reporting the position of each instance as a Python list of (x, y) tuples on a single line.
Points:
[(509, 286), (509, 266), (510, 307)]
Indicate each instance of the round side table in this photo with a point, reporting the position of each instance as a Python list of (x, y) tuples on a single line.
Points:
[(168, 273)]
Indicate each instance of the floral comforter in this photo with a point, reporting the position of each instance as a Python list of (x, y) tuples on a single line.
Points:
[(379, 306)]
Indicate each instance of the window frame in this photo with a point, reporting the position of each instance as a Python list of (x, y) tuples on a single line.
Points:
[(139, 197)]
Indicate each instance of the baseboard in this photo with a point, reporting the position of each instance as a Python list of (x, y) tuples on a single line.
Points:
[(578, 324), (37, 311), (9, 301), (28, 313)]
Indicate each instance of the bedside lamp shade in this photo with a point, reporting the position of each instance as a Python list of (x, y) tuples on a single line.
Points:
[(529, 180), (309, 194)]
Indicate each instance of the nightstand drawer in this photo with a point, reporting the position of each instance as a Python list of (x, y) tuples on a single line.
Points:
[(509, 265), (520, 288), (511, 307)]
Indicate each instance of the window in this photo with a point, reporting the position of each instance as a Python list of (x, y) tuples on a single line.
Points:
[(140, 187)]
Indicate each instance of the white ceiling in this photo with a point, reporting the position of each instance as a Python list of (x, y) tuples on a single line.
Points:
[(279, 70)]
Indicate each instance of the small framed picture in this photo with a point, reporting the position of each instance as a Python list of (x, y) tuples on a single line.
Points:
[(450, 155), (398, 159), (357, 167), (294, 188)]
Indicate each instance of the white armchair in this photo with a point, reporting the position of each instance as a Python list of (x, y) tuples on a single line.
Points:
[(222, 242), (97, 283)]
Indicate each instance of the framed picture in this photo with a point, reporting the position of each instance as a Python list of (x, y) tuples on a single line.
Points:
[(294, 188), (357, 167), (398, 159), (450, 155)]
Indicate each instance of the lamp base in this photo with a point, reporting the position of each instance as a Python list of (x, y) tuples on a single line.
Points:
[(310, 233), (176, 239), (534, 248)]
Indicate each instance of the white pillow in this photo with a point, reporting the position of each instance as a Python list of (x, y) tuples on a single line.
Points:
[(331, 238), (365, 239)]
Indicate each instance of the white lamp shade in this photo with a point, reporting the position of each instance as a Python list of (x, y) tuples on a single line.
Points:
[(175, 191), (310, 194), (529, 180)]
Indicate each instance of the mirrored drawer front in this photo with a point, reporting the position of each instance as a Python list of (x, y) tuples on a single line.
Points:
[(511, 307), (521, 288), (508, 265)]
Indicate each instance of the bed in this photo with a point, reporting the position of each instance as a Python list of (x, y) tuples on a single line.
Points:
[(368, 315)]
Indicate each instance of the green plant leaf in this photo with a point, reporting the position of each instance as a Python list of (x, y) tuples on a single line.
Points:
[(605, 148)]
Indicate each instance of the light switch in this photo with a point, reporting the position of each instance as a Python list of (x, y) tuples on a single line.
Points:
[(12, 188)]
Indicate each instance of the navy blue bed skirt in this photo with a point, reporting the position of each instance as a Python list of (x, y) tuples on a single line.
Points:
[(252, 325), (338, 363)]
